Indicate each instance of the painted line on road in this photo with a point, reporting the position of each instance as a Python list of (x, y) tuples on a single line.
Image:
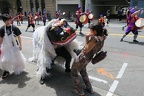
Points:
[(26, 37), (113, 34), (98, 79), (120, 74), (115, 83), (112, 88)]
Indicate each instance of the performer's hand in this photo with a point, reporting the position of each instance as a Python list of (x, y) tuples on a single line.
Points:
[(88, 35), (20, 47)]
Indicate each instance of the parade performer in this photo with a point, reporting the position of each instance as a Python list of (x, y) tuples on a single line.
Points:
[(77, 22), (101, 20), (57, 38), (21, 16), (93, 44), (30, 22), (37, 17), (12, 19), (44, 18), (18, 19), (57, 14), (87, 14), (127, 17), (131, 25), (11, 58)]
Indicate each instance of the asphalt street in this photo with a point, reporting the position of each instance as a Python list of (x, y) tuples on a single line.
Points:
[(121, 73)]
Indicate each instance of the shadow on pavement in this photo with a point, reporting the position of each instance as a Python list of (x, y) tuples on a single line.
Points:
[(62, 83), (16, 79), (138, 43)]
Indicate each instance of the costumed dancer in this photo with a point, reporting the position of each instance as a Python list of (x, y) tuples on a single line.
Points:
[(77, 22), (45, 50), (30, 22), (21, 16), (131, 25), (101, 20), (11, 58), (44, 18), (17, 19), (37, 17), (127, 18), (87, 14), (12, 19), (93, 44), (57, 14)]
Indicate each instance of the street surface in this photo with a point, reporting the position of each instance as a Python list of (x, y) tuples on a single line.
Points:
[(121, 73)]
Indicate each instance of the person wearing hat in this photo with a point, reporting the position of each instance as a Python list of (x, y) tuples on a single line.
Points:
[(101, 20), (30, 22), (131, 19), (11, 58), (57, 14), (87, 14), (44, 18), (77, 22)]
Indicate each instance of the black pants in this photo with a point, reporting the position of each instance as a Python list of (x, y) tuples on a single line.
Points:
[(62, 51)]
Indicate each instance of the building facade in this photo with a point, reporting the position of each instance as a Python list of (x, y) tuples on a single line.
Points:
[(64, 6), (15, 6)]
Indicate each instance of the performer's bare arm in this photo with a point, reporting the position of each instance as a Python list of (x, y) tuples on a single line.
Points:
[(20, 42), (136, 12), (1, 39)]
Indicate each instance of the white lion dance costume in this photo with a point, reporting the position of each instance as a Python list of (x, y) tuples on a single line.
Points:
[(57, 33)]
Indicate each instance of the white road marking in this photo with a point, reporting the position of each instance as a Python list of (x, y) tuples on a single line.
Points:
[(120, 74), (112, 88), (26, 37), (115, 83), (98, 79)]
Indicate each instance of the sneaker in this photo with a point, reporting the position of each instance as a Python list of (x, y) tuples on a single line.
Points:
[(135, 41), (123, 28), (5, 74), (81, 34), (67, 70), (121, 40)]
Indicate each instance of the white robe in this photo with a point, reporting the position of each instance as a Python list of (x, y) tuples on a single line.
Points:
[(11, 59)]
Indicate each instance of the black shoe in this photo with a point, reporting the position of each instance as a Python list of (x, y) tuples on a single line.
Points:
[(42, 81), (123, 28), (135, 41), (67, 70), (81, 34), (121, 40), (5, 74)]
